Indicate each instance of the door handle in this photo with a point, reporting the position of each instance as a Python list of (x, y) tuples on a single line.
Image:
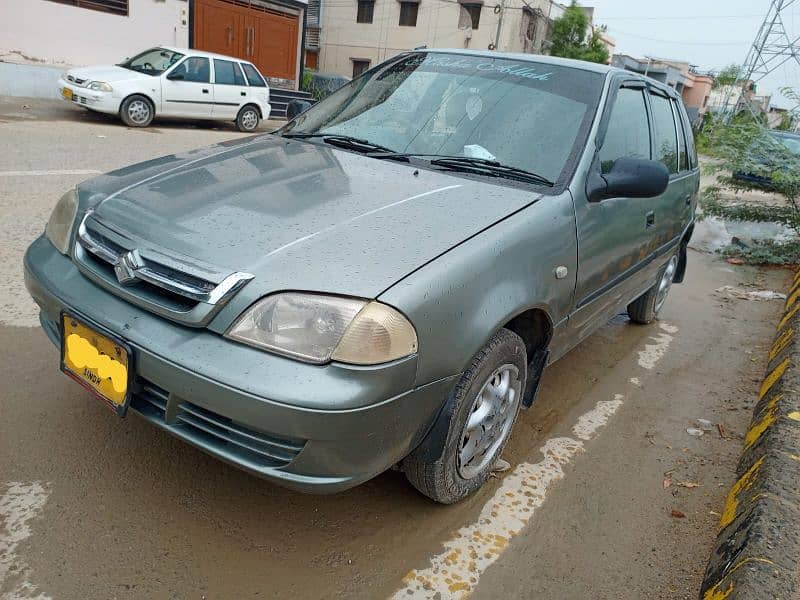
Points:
[(688, 199), (650, 220), (205, 91)]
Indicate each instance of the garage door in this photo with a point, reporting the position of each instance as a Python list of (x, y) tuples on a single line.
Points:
[(249, 31)]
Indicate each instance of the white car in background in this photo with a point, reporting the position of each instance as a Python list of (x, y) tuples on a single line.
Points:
[(174, 83)]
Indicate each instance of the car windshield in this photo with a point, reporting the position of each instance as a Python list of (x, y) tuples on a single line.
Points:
[(152, 62), (523, 114)]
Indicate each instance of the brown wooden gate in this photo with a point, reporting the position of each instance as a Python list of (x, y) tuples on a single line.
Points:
[(248, 31)]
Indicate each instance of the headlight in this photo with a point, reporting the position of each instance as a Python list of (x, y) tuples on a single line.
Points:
[(317, 329), (99, 86), (59, 227)]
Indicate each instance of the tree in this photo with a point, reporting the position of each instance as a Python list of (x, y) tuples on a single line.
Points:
[(570, 37), (744, 146), (727, 76)]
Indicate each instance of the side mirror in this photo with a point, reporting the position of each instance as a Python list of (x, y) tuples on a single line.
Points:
[(176, 77), (629, 178), (296, 107)]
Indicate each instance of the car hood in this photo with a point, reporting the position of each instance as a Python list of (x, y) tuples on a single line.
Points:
[(296, 215), (107, 73)]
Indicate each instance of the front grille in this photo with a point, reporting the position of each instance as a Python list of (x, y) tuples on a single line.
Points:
[(237, 439), (175, 294), (212, 430), (75, 80), (150, 400)]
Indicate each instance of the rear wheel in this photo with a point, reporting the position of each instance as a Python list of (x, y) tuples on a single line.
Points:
[(248, 118), (136, 111), (483, 408), (645, 308)]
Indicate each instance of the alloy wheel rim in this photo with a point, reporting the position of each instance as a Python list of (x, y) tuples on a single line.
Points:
[(666, 283), (250, 119), (490, 420), (139, 111)]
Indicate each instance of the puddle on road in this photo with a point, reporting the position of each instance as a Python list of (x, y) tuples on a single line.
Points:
[(713, 234)]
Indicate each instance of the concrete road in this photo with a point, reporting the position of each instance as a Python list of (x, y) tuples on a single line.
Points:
[(95, 507)]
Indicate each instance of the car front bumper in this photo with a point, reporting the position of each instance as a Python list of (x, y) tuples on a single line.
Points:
[(311, 428), (100, 101)]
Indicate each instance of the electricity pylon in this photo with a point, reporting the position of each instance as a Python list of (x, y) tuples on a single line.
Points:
[(772, 48)]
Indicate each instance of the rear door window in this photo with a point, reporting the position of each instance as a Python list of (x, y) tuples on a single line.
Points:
[(628, 133), (253, 76), (227, 73), (665, 134)]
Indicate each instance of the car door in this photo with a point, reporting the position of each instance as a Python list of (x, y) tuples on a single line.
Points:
[(187, 89), (688, 169), (669, 211), (613, 234), (230, 89)]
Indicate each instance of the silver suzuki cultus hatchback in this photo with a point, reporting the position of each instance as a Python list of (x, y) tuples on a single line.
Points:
[(383, 280)]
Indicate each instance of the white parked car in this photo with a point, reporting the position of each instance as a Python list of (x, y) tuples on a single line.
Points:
[(175, 83)]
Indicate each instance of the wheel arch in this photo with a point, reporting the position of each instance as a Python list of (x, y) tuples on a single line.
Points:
[(254, 104), (153, 105), (680, 272)]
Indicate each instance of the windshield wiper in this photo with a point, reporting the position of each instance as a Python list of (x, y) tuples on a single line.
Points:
[(469, 164), (343, 141)]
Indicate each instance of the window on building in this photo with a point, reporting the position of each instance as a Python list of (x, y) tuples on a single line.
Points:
[(253, 76), (117, 7), (312, 59), (196, 69), (530, 27), (366, 10), (628, 133), (408, 14), (666, 137), (227, 73), (470, 16), (359, 66)]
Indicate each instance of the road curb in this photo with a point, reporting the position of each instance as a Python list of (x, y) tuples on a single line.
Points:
[(757, 552)]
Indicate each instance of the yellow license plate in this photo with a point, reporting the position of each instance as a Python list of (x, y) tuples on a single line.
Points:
[(96, 361), (67, 93)]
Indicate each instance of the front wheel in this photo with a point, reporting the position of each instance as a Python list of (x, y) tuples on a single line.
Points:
[(482, 410), (136, 111), (644, 310), (248, 118)]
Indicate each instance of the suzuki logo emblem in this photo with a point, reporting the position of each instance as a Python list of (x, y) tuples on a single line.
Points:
[(126, 266)]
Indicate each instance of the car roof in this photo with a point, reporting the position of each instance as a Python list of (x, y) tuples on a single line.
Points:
[(556, 61), (193, 52)]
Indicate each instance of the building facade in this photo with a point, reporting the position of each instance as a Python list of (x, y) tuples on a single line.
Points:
[(357, 34), (268, 33)]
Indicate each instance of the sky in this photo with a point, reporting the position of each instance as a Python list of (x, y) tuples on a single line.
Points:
[(708, 33)]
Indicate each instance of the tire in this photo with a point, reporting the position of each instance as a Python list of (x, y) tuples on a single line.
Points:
[(436, 467), (645, 309), (137, 111), (248, 119)]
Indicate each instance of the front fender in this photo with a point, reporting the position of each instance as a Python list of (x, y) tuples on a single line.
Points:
[(460, 299)]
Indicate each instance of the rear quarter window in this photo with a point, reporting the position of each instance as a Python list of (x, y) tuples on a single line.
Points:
[(253, 76)]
